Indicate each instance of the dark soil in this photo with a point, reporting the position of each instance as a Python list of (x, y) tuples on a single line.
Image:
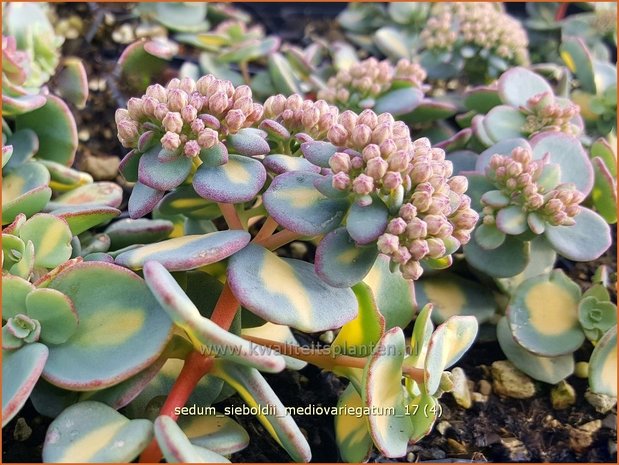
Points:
[(497, 430)]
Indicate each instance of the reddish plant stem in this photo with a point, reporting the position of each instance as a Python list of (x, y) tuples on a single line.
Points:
[(230, 215), (195, 367), (267, 229), (561, 11), (225, 308), (279, 239)]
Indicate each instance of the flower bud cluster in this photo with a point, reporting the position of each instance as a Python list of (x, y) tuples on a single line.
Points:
[(517, 177), (543, 113), (369, 78), (189, 115), (298, 115), (436, 210), (453, 25)]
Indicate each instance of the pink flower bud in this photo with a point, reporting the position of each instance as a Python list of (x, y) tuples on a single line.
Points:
[(340, 162), (242, 91), (187, 85), (337, 135), (458, 184), (436, 247), (274, 105), (381, 133), (363, 185), (421, 172), (462, 236), (149, 105), (416, 229), (411, 270), (370, 151), (402, 255), (210, 121), (392, 180), (438, 226), (234, 120), (400, 130), (361, 135), (121, 115), (192, 149), (170, 141), (158, 92), (387, 147), (386, 118), (218, 103), (341, 181), (161, 111), (197, 125), (356, 162), (135, 107), (348, 119), (127, 133), (189, 113), (208, 138), (398, 161), (245, 104), (310, 117), (466, 218), (369, 118), (203, 83), (408, 212), (388, 244), (376, 168), (177, 99), (174, 83), (173, 122), (418, 249), (396, 226)]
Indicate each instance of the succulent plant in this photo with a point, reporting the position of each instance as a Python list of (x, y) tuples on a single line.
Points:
[(183, 17)]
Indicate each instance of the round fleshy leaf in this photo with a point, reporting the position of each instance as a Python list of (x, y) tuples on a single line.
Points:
[(366, 224), (7, 153), (129, 165), (424, 411), (282, 75), (452, 295), (184, 200), (504, 122), (24, 144), (206, 336), (293, 201), (257, 393), (478, 186), (567, 152), (12, 250), (505, 261), (55, 312), (481, 99), (25, 366), (584, 241), (143, 231), (279, 164), (340, 262), (318, 152), (578, 59), (543, 315), (141, 61), (122, 328), (488, 237), (394, 295), (237, 181), (50, 400), (143, 200), (448, 343), (251, 50), (51, 237), (72, 82), (547, 369), (218, 433), (359, 336), (163, 176), (351, 431), (64, 178), (55, 129), (511, 220), (518, 85), (382, 388), (399, 101), (420, 340), (14, 292), (596, 316), (183, 17), (248, 143), (177, 448), (503, 147), (82, 218), (604, 192), (430, 110), (93, 432), (187, 252), (97, 194), (24, 190), (603, 365), (267, 284), (392, 42)]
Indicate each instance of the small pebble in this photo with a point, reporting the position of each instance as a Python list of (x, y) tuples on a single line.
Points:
[(478, 397), (327, 337), (582, 437), (600, 402), (22, 431), (485, 387), (83, 135), (410, 457), (509, 381), (298, 249), (123, 34), (610, 422), (461, 392), (516, 450), (442, 427), (581, 370), (456, 447)]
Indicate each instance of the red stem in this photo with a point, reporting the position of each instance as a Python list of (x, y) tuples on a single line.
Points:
[(561, 11)]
